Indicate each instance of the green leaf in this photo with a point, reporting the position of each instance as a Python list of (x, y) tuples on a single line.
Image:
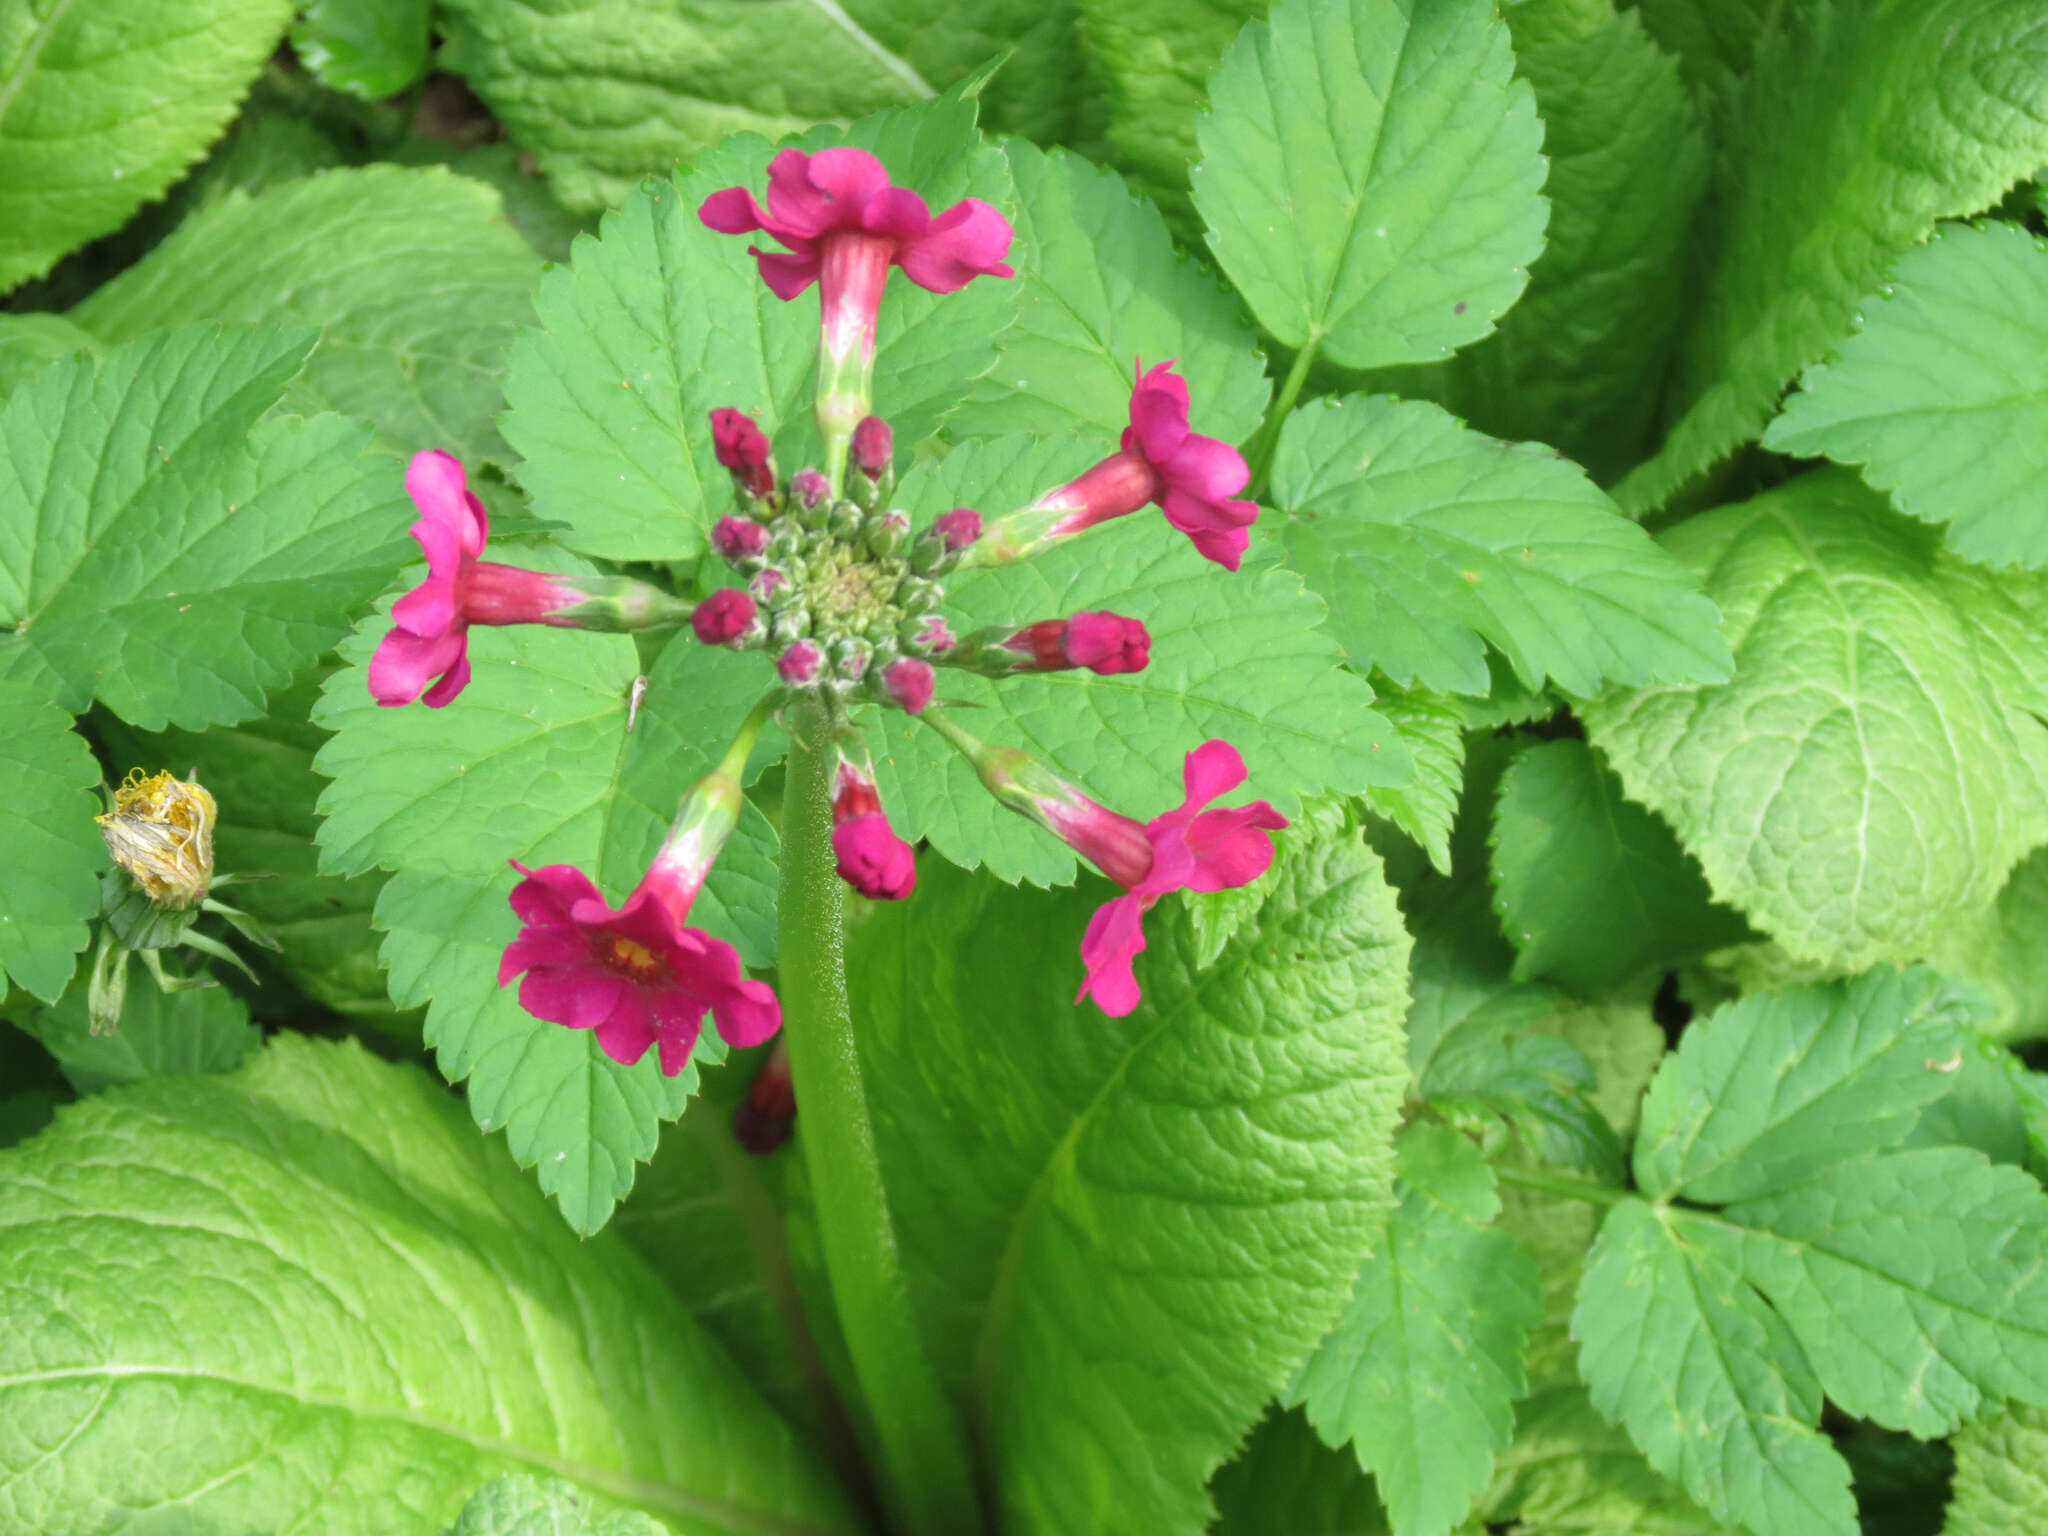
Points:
[(54, 852), (369, 48), (532, 1506), (162, 1034), (1240, 657), (408, 1320), (412, 275), (1370, 175), (1863, 125), (542, 222), (1569, 1473), (1149, 65), (2001, 951), (1876, 766), (1772, 1087), (1119, 1233), (2001, 1474), (1715, 41), (103, 107), (661, 320), (1942, 394), (1432, 727), (1430, 542), (1101, 287), (1579, 361), (1916, 1282), (30, 343), (536, 762), (1286, 1482), (1567, 845), (1421, 1373), (1707, 1379), (261, 776), (160, 550)]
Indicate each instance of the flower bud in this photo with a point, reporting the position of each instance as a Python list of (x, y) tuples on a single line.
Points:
[(871, 857), (740, 541), (790, 625), (874, 447), (724, 617), (800, 663), (762, 1121), (909, 683), (949, 536), (850, 658), (845, 519), (886, 535), (927, 635), (743, 448), (811, 490), (161, 831), (920, 596), (771, 589)]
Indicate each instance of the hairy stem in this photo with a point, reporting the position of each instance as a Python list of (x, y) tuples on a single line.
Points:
[(923, 1455), (1259, 452)]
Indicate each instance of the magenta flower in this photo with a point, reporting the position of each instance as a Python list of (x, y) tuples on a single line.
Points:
[(638, 975), (1103, 643), (723, 617), (1192, 478), (429, 635), (871, 857), (1191, 849), (837, 207)]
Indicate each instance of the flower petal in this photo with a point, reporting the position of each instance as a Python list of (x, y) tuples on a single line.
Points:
[(1115, 937)]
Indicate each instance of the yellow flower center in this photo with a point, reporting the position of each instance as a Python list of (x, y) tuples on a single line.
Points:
[(637, 960)]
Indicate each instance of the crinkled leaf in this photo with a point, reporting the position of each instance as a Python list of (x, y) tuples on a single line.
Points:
[(1569, 1473), (605, 92), (1421, 1373), (1714, 41), (1101, 288), (1877, 765), (1241, 657), (535, 761), (1370, 173), (1579, 361), (261, 776), (1431, 542), (369, 48), (1916, 1282), (1432, 727), (1772, 1087), (2005, 952), (1566, 845), (541, 220), (660, 321), (1115, 1269), (413, 277), (160, 550), (104, 106), (1707, 1379), (1862, 125), (407, 1320), (522, 1505), (54, 853), (2001, 1478), (1941, 396), (161, 1034)]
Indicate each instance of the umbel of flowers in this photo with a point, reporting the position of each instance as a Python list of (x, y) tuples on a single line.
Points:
[(843, 594)]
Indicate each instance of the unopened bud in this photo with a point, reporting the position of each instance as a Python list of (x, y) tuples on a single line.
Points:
[(743, 448), (927, 635), (850, 658), (762, 1121), (874, 447), (724, 617), (161, 831), (811, 491), (740, 541), (800, 663), (844, 519), (950, 535), (920, 595), (771, 588), (909, 683), (791, 624), (886, 535)]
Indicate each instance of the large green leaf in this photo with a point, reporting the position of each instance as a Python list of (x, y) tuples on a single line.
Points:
[(103, 106), (1370, 175), (1103, 288), (1942, 394), (261, 776), (1566, 846), (521, 1505), (1877, 765), (54, 850), (608, 91), (661, 320), (1119, 1233), (2005, 951), (160, 550), (1569, 1473), (536, 761), (1432, 727), (1579, 361), (1779, 1085), (369, 48), (2001, 1474), (357, 1311), (1421, 1373), (413, 276), (1238, 656), (1863, 123), (29, 343), (1431, 542)]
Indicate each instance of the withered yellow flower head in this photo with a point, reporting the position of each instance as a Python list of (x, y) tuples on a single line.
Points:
[(161, 831)]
